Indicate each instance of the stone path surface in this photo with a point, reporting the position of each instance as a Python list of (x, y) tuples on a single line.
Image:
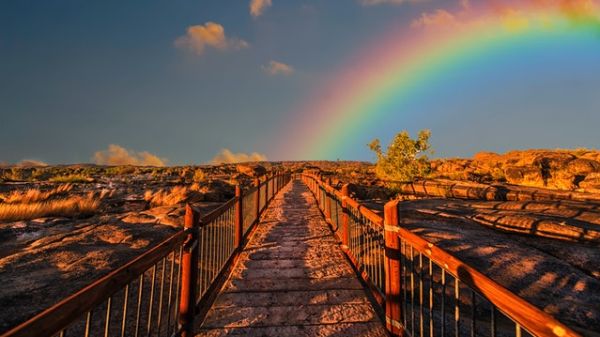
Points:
[(292, 280)]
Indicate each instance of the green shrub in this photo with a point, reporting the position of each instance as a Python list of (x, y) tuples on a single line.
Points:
[(405, 159)]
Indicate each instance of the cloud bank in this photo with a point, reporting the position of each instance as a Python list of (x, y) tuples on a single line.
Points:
[(513, 15), (278, 68), (200, 37), (30, 163), (257, 7), (228, 157), (118, 155)]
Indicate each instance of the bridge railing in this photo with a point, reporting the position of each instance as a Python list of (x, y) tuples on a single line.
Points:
[(160, 292), (424, 290)]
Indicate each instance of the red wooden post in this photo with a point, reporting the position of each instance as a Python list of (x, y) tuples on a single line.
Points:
[(189, 273), (257, 184), (328, 200), (345, 218), (239, 219), (393, 286), (267, 189)]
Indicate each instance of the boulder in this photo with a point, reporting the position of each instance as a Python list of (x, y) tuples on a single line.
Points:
[(583, 166), (252, 170), (591, 183), (528, 176)]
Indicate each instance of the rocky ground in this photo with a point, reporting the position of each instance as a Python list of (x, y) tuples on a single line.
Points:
[(539, 238), (292, 280), (140, 208), (529, 219)]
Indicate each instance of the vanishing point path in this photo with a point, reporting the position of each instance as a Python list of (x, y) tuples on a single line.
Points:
[(292, 279)]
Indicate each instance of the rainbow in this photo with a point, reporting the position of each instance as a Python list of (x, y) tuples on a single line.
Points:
[(383, 77)]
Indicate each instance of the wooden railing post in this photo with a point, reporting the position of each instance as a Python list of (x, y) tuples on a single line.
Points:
[(239, 219), (189, 272), (393, 286), (345, 217), (328, 201), (257, 184), (267, 189)]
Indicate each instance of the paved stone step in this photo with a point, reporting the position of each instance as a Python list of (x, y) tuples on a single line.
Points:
[(290, 298), (241, 285), (303, 272), (369, 329), (292, 279), (290, 315), (295, 263), (282, 253)]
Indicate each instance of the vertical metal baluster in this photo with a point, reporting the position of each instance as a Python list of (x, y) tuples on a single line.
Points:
[(88, 321), (213, 240), (125, 307), (430, 297), (518, 332), (456, 307), (63, 333), (178, 288), (160, 298), (151, 304), (218, 247), (205, 267), (170, 294), (108, 310), (207, 257), (493, 321), (214, 250), (139, 305), (443, 304), (199, 288), (472, 313), (368, 261), (421, 313), (202, 260), (412, 290), (404, 280), (380, 263), (221, 242)]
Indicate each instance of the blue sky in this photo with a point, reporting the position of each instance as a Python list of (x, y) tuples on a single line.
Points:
[(76, 76)]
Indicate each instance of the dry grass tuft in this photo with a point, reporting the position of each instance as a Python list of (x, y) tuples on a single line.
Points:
[(173, 196), (76, 205), (34, 195), (71, 178)]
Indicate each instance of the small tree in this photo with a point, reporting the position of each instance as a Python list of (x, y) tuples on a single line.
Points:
[(405, 159)]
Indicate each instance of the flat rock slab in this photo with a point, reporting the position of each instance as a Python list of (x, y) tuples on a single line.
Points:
[(292, 280)]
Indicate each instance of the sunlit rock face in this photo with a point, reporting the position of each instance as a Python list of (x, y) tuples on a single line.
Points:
[(555, 169)]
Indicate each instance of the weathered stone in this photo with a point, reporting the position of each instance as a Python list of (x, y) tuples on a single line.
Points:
[(251, 170), (292, 280)]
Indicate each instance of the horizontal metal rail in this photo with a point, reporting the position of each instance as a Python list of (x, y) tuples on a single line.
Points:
[(160, 292), (424, 290)]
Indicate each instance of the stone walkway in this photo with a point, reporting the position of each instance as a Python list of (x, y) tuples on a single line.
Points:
[(292, 280)]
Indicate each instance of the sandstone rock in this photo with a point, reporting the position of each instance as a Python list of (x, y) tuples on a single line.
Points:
[(583, 166), (528, 176), (591, 183), (251, 170)]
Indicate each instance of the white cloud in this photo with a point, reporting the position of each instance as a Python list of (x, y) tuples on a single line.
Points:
[(278, 68), (199, 37), (117, 155), (31, 163), (440, 17), (257, 7), (228, 157)]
